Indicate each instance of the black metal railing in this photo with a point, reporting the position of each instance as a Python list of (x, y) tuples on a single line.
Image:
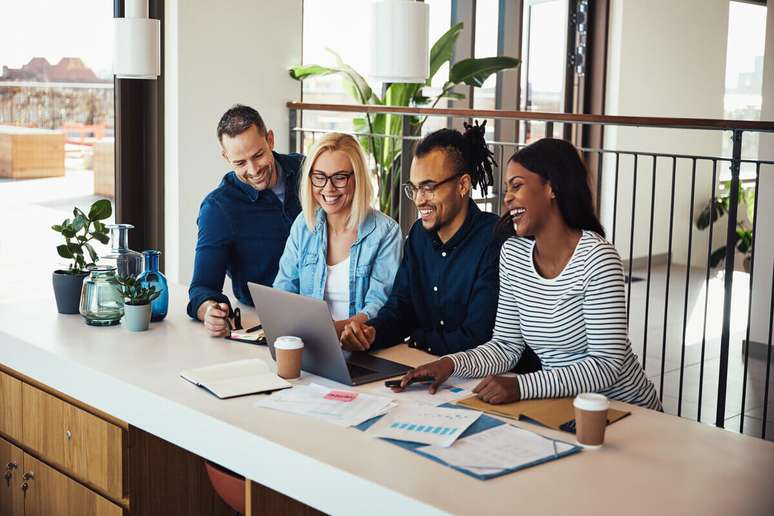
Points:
[(706, 316)]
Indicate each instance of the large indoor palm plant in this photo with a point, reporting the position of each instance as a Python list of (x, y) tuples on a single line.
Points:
[(381, 133)]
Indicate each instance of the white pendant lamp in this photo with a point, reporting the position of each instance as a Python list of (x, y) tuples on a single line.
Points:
[(400, 45), (136, 43)]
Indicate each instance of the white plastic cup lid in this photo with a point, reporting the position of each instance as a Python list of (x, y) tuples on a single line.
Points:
[(288, 342), (591, 401)]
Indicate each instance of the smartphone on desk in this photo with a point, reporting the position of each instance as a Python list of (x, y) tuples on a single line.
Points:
[(394, 384)]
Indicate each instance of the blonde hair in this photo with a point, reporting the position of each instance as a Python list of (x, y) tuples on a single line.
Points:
[(364, 191)]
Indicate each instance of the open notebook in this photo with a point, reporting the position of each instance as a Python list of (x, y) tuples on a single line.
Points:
[(236, 378)]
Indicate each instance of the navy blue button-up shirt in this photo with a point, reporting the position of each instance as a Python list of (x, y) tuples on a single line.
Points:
[(242, 233), (445, 295)]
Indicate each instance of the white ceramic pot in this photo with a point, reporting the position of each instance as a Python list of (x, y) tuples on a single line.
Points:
[(137, 317)]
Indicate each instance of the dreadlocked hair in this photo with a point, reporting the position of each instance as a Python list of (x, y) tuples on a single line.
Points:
[(467, 152)]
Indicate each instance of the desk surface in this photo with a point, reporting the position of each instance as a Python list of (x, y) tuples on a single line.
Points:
[(651, 462)]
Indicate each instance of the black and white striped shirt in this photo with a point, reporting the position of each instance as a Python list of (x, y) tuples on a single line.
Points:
[(575, 323)]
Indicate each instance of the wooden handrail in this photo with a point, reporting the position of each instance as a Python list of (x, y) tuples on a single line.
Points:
[(639, 121)]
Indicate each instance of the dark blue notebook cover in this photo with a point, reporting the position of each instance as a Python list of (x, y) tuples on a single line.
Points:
[(481, 424)]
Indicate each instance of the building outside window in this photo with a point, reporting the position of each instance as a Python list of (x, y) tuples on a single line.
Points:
[(56, 126)]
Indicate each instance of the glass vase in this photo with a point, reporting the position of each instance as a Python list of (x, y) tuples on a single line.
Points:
[(126, 261), (101, 301), (152, 277)]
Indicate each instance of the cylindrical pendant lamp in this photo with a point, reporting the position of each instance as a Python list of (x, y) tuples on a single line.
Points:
[(136, 43), (400, 44)]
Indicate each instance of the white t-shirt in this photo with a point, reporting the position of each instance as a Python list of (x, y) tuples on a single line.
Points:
[(337, 290)]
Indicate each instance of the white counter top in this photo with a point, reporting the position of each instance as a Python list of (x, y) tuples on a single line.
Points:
[(651, 462)]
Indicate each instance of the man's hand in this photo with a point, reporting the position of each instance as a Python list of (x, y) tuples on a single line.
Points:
[(357, 336), (439, 371), (498, 389), (214, 316)]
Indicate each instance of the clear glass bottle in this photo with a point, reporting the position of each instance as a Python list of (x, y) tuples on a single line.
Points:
[(152, 277), (127, 262), (101, 301)]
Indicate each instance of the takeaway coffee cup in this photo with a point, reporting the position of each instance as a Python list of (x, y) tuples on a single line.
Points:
[(590, 419), (287, 351)]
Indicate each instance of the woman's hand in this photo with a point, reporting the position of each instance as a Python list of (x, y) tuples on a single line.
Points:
[(439, 371), (498, 389), (340, 325), (357, 336)]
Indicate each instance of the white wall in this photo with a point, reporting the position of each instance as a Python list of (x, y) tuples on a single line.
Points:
[(764, 246), (219, 54), (665, 58)]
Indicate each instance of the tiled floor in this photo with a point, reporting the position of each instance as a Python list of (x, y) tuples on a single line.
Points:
[(28, 255), (700, 356)]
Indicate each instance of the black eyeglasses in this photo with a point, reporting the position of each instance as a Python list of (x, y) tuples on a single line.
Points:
[(427, 189), (339, 179)]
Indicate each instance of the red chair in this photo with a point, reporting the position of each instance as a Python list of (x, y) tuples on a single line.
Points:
[(229, 485)]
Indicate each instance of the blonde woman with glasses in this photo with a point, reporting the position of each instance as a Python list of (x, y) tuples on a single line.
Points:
[(340, 249)]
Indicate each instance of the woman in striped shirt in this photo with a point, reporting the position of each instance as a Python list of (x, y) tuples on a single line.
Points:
[(561, 293)]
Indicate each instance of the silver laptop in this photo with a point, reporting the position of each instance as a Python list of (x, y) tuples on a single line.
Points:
[(282, 313)]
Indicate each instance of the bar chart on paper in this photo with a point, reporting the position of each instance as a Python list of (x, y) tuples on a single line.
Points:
[(413, 427), (424, 424)]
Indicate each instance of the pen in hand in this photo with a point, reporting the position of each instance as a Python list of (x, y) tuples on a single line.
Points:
[(254, 328)]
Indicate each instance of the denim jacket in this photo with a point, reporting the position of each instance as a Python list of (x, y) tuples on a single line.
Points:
[(374, 259)]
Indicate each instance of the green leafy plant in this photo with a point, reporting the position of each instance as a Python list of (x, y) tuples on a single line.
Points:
[(134, 292), (717, 208), (385, 149), (79, 231)]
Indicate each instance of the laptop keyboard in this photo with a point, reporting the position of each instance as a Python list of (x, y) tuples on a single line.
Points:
[(357, 371)]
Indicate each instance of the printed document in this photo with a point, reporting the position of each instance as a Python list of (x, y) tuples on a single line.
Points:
[(452, 390), (501, 448), (340, 407), (424, 424)]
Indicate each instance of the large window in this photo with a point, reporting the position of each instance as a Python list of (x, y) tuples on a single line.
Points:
[(440, 21), (343, 26), (744, 76), (340, 26), (56, 126), (544, 49), (485, 45)]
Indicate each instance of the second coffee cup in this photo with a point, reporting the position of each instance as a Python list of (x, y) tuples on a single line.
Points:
[(590, 419), (288, 351)]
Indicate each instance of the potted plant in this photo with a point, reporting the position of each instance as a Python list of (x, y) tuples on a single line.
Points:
[(77, 233), (717, 208), (137, 300), (386, 150)]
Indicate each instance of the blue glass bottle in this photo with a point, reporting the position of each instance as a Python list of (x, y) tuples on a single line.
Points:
[(152, 277)]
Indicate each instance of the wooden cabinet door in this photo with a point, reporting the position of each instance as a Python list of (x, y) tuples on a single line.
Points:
[(10, 406), (11, 496), (94, 450), (50, 493), (43, 427)]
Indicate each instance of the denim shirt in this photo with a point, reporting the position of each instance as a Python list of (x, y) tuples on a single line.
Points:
[(242, 233), (445, 294), (374, 259)]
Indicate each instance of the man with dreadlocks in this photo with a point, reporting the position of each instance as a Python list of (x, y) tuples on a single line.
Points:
[(445, 293)]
